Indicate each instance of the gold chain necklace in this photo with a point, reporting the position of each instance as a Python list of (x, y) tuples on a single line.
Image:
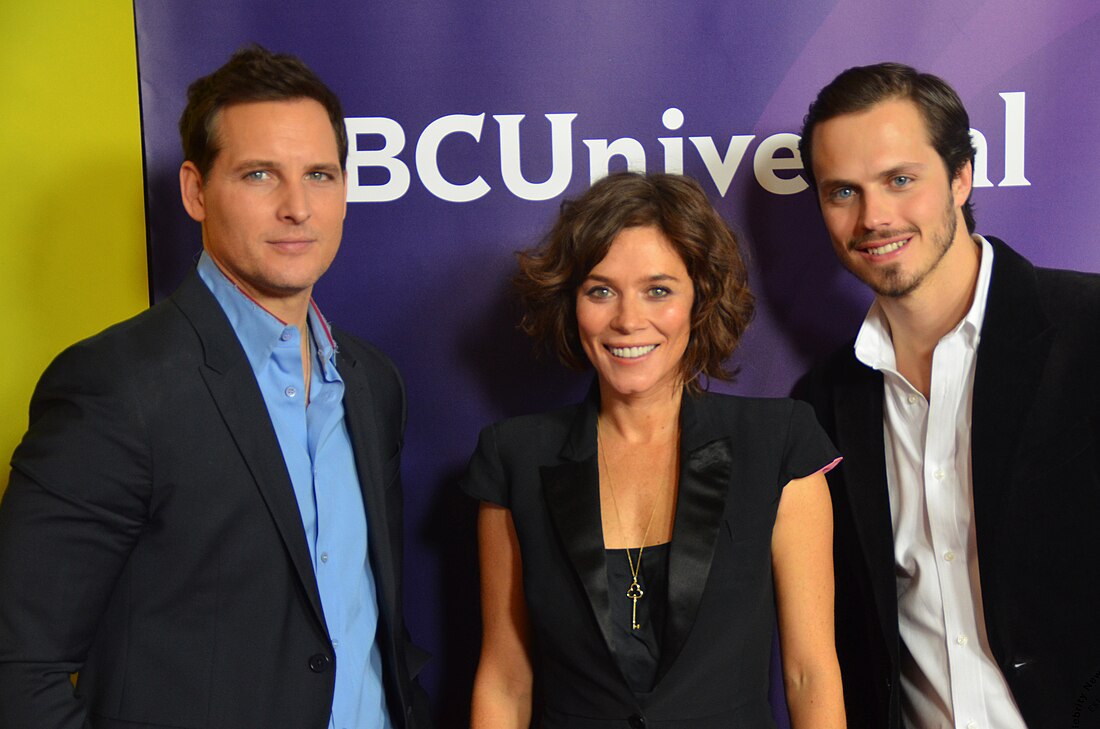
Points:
[(635, 591)]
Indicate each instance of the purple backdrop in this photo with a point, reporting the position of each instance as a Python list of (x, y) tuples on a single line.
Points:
[(448, 182)]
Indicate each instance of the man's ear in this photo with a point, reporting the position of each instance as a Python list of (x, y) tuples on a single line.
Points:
[(344, 174), (962, 184), (191, 191)]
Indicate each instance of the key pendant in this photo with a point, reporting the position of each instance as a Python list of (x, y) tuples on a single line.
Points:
[(634, 593)]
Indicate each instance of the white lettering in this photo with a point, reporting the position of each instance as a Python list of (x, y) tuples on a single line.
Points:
[(600, 154), (427, 159), (376, 174), (981, 159), (561, 157), (721, 169), (386, 158), (1015, 104), (672, 120), (765, 163)]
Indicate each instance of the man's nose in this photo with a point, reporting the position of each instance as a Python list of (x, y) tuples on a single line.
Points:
[(294, 202)]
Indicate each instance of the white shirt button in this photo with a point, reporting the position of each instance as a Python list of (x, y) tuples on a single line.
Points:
[(938, 475), (971, 725), (291, 391), (324, 556), (949, 556), (912, 399), (962, 640), (286, 335)]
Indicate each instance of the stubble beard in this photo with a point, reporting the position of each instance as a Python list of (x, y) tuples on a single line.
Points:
[(891, 281)]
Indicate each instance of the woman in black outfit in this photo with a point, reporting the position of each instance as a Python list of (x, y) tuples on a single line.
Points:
[(630, 544)]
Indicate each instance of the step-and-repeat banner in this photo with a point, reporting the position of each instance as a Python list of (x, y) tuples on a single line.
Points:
[(471, 121)]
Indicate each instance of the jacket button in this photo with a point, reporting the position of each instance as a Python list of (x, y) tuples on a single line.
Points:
[(319, 662), (637, 721)]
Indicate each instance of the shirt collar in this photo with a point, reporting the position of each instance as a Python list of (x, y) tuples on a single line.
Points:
[(258, 330), (874, 346)]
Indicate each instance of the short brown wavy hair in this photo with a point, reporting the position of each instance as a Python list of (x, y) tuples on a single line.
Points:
[(550, 273)]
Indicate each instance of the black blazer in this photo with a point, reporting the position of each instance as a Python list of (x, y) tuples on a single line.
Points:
[(1035, 454), (150, 539), (736, 456)]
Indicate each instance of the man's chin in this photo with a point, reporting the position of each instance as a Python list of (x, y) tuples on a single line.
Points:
[(887, 282)]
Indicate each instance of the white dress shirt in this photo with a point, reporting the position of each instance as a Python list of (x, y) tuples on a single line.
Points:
[(948, 675)]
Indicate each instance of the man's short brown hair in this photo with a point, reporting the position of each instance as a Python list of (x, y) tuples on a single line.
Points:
[(861, 87), (251, 74)]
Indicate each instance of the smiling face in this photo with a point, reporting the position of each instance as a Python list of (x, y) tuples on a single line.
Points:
[(272, 205), (634, 315), (891, 209)]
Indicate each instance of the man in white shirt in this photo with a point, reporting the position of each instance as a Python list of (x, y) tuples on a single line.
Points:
[(967, 410)]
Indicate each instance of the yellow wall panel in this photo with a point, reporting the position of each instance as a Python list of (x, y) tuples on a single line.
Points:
[(72, 238)]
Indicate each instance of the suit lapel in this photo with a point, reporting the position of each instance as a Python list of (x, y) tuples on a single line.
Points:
[(1015, 343), (359, 411), (858, 404), (572, 493), (706, 473), (232, 386)]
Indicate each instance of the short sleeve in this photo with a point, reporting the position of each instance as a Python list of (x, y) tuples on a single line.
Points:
[(484, 478), (808, 449)]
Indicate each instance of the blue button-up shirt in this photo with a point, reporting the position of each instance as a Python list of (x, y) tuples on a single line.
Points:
[(317, 451)]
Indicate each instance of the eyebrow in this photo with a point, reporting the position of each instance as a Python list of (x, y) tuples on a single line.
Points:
[(898, 169), (901, 169), (654, 277), (251, 164)]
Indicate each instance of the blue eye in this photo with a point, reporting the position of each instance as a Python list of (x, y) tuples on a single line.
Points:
[(257, 175), (842, 193), (902, 180), (319, 176)]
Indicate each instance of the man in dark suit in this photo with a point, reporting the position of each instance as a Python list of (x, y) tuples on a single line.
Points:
[(204, 517), (967, 411)]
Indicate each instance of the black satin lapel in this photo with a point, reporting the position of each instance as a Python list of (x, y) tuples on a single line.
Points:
[(572, 493), (705, 475)]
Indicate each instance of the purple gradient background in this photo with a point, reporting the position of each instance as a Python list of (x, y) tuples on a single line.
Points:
[(427, 280)]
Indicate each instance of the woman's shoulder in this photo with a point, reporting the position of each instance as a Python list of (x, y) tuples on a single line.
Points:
[(533, 428), (739, 407)]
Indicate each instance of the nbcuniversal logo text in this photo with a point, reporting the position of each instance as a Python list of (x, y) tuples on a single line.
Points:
[(776, 163)]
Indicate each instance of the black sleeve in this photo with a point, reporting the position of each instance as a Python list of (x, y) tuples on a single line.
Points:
[(485, 478), (808, 449), (76, 503)]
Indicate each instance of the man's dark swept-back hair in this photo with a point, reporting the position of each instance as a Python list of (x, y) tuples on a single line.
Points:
[(861, 87), (251, 74)]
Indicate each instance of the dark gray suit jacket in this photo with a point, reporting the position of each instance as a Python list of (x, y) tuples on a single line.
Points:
[(150, 539), (1035, 454)]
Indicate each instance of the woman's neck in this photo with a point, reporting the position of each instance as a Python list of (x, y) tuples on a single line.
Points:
[(639, 420)]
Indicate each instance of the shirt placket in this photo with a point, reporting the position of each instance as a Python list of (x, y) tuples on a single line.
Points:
[(946, 498)]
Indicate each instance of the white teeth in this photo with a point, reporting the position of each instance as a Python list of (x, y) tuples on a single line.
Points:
[(888, 248), (632, 352)]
